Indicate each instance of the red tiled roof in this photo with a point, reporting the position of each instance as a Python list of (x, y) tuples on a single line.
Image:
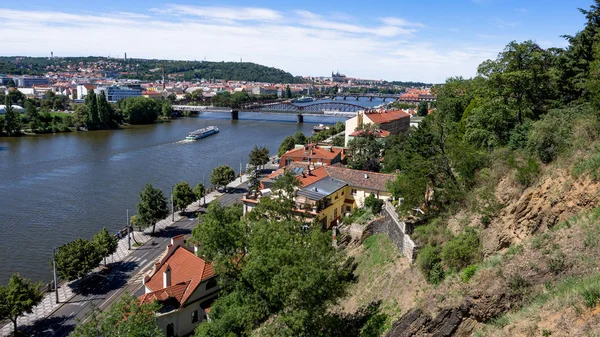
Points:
[(362, 179), (309, 177), (377, 133), (387, 116), (186, 267), (175, 292), (313, 151)]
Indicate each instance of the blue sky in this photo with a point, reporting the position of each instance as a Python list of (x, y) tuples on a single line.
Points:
[(393, 40)]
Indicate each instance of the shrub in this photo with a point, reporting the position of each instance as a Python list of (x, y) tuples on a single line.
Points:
[(462, 250), (468, 272), (526, 172), (588, 166), (518, 285), (556, 262), (373, 203), (591, 296), (429, 262)]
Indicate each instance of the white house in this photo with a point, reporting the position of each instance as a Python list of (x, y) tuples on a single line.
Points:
[(185, 286)]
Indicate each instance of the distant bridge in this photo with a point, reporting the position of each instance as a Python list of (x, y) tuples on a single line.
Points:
[(333, 109)]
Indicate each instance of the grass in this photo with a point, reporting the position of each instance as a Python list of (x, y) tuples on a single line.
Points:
[(379, 251), (138, 244), (588, 166)]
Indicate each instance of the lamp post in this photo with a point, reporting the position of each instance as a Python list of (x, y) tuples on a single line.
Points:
[(203, 194), (55, 278), (240, 169), (128, 232), (172, 204)]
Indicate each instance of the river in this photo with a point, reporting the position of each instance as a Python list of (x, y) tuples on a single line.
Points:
[(56, 188)]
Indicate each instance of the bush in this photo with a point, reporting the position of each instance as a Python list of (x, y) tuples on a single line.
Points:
[(468, 272), (526, 172), (429, 262), (591, 296), (518, 285), (556, 262), (373, 203), (462, 250)]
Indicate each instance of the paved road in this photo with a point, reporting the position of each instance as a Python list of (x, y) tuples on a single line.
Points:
[(124, 277)]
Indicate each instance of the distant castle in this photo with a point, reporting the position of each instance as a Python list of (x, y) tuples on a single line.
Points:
[(337, 77)]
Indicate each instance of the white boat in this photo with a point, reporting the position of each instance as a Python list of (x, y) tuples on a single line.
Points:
[(319, 128), (303, 99), (202, 133)]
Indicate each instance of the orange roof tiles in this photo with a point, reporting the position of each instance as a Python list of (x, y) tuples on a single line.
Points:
[(308, 177), (387, 116), (175, 292), (313, 151), (186, 267)]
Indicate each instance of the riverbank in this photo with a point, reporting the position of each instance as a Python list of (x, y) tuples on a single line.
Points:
[(49, 306)]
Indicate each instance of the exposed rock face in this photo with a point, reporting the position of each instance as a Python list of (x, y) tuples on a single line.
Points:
[(538, 208), (418, 323)]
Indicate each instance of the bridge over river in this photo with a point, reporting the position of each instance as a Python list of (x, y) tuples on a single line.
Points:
[(333, 109)]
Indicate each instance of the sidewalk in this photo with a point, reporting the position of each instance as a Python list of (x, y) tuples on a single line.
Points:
[(65, 294)]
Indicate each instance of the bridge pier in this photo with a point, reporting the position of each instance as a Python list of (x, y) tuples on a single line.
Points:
[(234, 115), (300, 119), (344, 98), (357, 98), (371, 98), (384, 99)]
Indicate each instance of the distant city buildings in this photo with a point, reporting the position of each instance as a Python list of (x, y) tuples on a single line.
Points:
[(26, 81), (115, 93)]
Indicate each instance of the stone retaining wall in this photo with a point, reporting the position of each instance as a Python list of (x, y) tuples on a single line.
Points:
[(397, 230)]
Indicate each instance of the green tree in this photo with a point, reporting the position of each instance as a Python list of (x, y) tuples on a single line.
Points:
[(76, 259), (20, 296), (12, 118), (105, 243), (259, 156), (287, 144), (80, 116), (172, 98), (152, 207), (104, 109), (423, 109), (167, 109), (199, 191), (339, 141), (253, 181), (32, 114), (288, 91), (300, 138), (91, 105), (125, 318), (222, 175), (140, 110), (183, 196), (365, 150)]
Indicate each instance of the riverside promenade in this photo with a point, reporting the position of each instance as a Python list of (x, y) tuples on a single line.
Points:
[(48, 307)]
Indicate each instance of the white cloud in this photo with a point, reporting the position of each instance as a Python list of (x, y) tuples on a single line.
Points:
[(301, 42), (390, 21)]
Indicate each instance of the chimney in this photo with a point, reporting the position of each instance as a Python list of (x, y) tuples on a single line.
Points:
[(366, 176), (167, 277), (196, 248)]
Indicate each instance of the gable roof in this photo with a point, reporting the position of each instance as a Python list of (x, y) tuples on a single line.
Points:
[(362, 179), (186, 268), (381, 117), (313, 151)]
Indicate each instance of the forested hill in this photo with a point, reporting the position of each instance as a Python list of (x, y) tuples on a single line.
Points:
[(145, 69)]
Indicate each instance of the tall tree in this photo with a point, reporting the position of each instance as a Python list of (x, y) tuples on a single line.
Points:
[(167, 109), (222, 175), (365, 150), (300, 138), (18, 297), (125, 318), (105, 243), (199, 191), (12, 118), (259, 156), (287, 144), (423, 109), (104, 113), (288, 91), (152, 207), (32, 114), (183, 196), (91, 105), (76, 259)]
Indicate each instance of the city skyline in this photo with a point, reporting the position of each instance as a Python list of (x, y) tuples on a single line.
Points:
[(376, 40)]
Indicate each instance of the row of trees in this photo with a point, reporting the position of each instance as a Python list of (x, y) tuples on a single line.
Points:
[(77, 258), (142, 110)]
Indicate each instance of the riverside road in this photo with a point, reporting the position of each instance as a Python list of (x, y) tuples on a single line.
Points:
[(123, 277)]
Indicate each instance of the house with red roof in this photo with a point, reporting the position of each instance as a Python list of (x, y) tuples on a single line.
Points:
[(392, 121), (184, 285), (313, 153)]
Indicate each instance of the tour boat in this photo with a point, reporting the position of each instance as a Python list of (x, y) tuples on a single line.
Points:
[(303, 99), (202, 133), (319, 128)]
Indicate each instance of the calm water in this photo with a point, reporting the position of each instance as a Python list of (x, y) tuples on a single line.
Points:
[(56, 188)]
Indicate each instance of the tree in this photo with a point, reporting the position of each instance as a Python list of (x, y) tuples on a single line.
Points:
[(199, 191), (105, 243), (287, 144), (125, 318), (300, 138), (104, 109), (167, 109), (152, 207), (140, 110), (423, 109), (32, 114), (222, 175), (365, 149), (18, 297), (91, 105), (172, 98), (338, 141), (12, 118), (76, 259), (288, 91), (183, 196), (259, 156), (80, 116), (253, 181)]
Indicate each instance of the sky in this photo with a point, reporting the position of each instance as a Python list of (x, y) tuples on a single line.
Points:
[(401, 40)]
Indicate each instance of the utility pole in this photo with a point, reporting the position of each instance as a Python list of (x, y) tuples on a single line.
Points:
[(128, 231), (240, 169), (172, 204), (55, 278), (205, 189)]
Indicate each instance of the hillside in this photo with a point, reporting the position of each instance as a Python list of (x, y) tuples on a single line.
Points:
[(146, 69)]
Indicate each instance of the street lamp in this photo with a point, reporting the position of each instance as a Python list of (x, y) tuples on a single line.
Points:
[(172, 202), (128, 232), (55, 278)]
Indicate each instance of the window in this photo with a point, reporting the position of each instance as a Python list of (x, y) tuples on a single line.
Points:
[(194, 316), (343, 193), (211, 283), (170, 330), (335, 213), (353, 191)]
